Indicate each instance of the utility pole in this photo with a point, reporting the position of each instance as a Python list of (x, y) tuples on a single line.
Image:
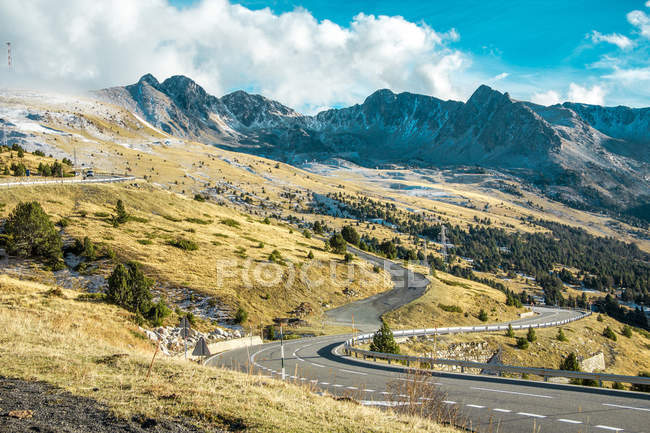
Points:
[(9, 60)]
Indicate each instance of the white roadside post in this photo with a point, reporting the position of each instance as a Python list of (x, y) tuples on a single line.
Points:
[(282, 349)]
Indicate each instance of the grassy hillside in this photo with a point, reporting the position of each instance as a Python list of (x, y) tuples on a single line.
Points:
[(446, 293), (232, 260), (627, 356), (93, 350)]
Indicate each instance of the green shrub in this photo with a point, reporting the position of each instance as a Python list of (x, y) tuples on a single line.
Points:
[(609, 333), (266, 220), (510, 332), (531, 335), (450, 308), (338, 244), (627, 331), (600, 318), (63, 222), (121, 216), (570, 363), (260, 245), (158, 312), (198, 221), (522, 343), (383, 340), (230, 222), (482, 315), (199, 197), (348, 257), (184, 244), (561, 336), (30, 233), (310, 255), (318, 228), (241, 316), (306, 233), (102, 214), (145, 241), (86, 248), (38, 153), (350, 234), (19, 169), (128, 287), (276, 257), (618, 385), (376, 269), (171, 218)]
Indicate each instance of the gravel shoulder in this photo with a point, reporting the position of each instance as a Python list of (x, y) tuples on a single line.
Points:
[(38, 407)]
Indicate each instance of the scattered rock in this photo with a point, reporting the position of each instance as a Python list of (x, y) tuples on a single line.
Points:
[(20, 414)]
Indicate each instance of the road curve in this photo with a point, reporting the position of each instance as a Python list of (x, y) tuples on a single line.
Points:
[(515, 406)]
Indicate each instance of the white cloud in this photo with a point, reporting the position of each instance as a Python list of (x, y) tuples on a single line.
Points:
[(640, 20), (621, 41), (546, 98), (501, 76), (595, 95), (291, 57), (647, 4), (629, 76)]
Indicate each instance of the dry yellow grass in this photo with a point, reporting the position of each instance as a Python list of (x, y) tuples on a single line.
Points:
[(627, 356), (231, 262), (447, 289), (69, 343)]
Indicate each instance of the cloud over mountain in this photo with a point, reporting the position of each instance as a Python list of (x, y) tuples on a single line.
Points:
[(291, 57)]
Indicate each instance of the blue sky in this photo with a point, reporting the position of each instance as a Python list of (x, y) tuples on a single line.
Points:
[(547, 41), (313, 55)]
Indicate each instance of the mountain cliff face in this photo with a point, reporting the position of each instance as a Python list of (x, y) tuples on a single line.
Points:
[(597, 155)]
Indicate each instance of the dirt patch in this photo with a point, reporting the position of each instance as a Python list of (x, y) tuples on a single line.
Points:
[(39, 407)]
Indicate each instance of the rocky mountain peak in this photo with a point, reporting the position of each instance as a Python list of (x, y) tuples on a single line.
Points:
[(150, 80), (380, 97)]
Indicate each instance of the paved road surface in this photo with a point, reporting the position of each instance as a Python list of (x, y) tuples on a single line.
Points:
[(515, 406)]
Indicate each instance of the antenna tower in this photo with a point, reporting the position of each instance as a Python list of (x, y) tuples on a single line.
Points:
[(9, 55)]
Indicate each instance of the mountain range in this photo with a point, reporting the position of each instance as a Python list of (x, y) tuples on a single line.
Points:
[(583, 154)]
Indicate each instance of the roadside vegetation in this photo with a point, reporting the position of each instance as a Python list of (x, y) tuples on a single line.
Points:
[(106, 357)]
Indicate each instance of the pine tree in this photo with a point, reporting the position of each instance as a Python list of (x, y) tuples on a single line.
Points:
[(531, 336), (30, 233), (383, 340), (511, 332), (570, 363), (120, 216)]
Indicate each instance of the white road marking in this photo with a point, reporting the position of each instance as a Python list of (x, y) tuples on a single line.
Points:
[(382, 403), (351, 387), (337, 386), (352, 372), (317, 365), (606, 427), (385, 392), (569, 421), (324, 383), (627, 407), (369, 390), (502, 410), (476, 406), (511, 392), (449, 402), (534, 415)]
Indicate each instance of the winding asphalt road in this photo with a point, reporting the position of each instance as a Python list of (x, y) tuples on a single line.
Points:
[(490, 404)]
